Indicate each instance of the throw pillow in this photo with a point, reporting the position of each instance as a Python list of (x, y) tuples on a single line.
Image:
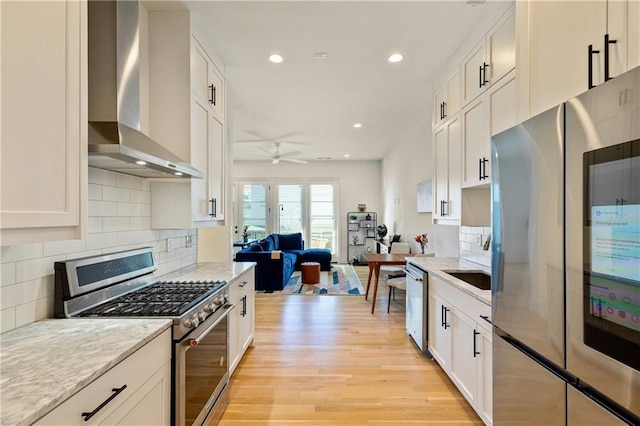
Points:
[(290, 241)]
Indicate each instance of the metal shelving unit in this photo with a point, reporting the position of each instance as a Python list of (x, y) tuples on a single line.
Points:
[(361, 236)]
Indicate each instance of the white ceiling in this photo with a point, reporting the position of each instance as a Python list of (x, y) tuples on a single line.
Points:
[(317, 101)]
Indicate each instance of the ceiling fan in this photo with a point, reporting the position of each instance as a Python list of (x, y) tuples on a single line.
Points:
[(277, 156), (275, 140)]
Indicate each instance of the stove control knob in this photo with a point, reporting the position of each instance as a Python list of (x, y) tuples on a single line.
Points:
[(226, 297), (202, 316), (192, 322), (218, 301), (209, 307)]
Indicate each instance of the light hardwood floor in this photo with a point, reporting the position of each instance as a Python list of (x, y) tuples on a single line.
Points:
[(325, 360)]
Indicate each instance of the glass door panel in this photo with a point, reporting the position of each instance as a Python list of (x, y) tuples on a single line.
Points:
[(289, 209), (254, 210), (322, 216)]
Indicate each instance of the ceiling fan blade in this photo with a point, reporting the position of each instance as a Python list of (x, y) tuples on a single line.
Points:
[(265, 150), (290, 154), (252, 140), (295, 160)]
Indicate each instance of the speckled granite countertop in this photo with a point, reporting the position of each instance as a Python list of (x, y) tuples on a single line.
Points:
[(44, 363), (210, 271), (437, 266)]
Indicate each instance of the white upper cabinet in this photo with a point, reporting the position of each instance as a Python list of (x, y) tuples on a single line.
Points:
[(187, 116), (43, 164), (446, 99), (476, 143), (566, 49), (491, 58), (447, 156)]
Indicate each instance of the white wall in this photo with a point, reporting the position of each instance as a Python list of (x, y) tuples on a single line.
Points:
[(119, 218), (359, 182)]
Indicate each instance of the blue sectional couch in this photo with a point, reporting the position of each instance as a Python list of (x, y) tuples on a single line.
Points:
[(277, 256)]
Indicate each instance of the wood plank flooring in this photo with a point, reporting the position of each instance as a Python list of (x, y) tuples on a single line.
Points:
[(325, 360)]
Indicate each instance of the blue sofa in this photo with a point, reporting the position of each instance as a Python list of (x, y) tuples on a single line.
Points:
[(277, 256)]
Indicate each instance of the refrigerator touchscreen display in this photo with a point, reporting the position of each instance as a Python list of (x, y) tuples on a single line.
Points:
[(612, 252)]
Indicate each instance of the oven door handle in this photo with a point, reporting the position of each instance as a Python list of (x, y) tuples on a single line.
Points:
[(409, 274), (196, 342)]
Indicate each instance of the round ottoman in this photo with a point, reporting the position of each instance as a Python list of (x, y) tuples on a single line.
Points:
[(310, 272)]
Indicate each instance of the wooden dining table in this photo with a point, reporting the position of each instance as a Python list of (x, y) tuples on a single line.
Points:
[(375, 261)]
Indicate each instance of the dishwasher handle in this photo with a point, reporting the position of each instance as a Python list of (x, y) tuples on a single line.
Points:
[(409, 274)]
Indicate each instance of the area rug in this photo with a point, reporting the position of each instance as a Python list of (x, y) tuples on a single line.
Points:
[(341, 279)]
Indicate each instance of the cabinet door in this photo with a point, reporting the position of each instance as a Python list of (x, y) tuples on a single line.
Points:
[(501, 45), (473, 72), (464, 343), (200, 158), (216, 92), (476, 143), (200, 65), (441, 171), (484, 361), (439, 331), (43, 167), (439, 97), (245, 331), (559, 70), (454, 142), (502, 101), (216, 169), (453, 96)]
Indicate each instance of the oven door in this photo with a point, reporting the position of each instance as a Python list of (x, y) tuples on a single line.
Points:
[(201, 372)]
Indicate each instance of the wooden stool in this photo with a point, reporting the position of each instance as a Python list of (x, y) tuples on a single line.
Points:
[(310, 272)]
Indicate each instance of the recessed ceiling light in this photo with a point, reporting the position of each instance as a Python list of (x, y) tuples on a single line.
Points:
[(324, 158), (347, 155), (275, 58), (320, 55), (357, 125), (396, 57), (178, 173), (141, 163)]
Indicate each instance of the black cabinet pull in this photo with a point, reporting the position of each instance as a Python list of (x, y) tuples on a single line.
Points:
[(446, 325), (213, 95), (590, 67), (442, 208), (484, 73), (607, 42), (116, 392), (244, 306), (444, 110), (480, 79), (441, 315), (214, 205), (475, 347), (479, 168), (486, 318), (482, 168)]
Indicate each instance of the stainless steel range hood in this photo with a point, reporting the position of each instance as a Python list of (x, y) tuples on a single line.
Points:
[(115, 140)]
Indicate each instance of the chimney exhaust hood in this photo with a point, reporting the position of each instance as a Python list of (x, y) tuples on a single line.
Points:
[(115, 140)]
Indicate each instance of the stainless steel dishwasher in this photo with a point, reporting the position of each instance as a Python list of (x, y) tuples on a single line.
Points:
[(417, 306)]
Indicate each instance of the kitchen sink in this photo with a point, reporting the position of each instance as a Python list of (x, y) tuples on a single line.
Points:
[(477, 279)]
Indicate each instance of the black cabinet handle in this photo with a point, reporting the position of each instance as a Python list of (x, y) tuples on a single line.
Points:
[(441, 315), (444, 110), (484, 73), (244, 283), (475, 347), (446, 325), (480, 79), (214, 206), (116, 392), (445, 209), (479, 168), (486, 318), (607, 42), (482, 166), (244, 306), (213, 95), (590, 67)]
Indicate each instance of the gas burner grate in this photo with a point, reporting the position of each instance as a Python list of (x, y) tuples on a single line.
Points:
[(163, 298)]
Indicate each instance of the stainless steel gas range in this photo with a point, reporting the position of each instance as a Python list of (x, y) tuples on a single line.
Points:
[(123, 285)]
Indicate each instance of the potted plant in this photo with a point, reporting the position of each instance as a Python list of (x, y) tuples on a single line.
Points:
[(245, 234)]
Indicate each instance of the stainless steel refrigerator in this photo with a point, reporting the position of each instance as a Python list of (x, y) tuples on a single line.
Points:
[(566, 262)]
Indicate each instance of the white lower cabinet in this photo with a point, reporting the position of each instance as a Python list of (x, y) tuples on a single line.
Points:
[(461, 344), (242, 318), (137, 391)]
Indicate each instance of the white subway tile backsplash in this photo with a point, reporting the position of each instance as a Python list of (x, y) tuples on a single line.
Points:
[(23, 252), (7, 273), (126, 181), (469, 248), (486, 230), (102, 177), (142, 197), (119, 219), (55, 248), (34, 311), (7, 319), (111, 193), (465, 246), (102, 241), (115, 224), (36, 268), (95, 191), (102, 208)]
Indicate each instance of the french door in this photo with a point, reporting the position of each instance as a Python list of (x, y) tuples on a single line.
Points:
[(251, 210)]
